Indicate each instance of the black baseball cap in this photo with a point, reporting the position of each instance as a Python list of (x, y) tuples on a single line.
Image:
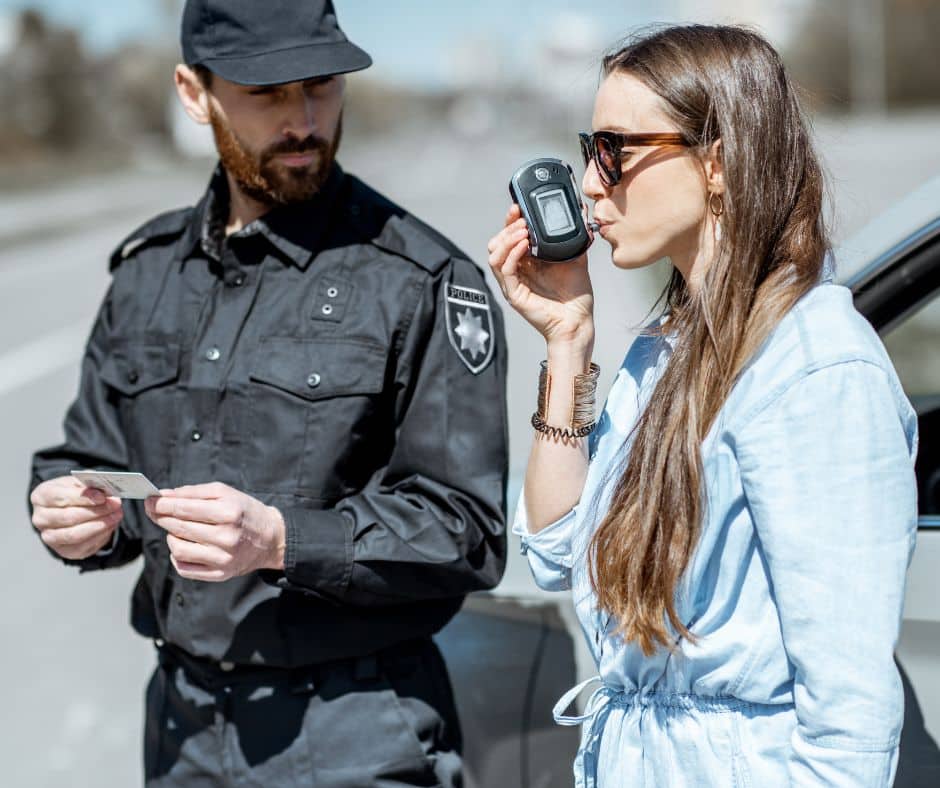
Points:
[(268, 42)]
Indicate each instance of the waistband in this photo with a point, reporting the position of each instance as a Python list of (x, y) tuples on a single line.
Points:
[(212, 675), (605, 698)]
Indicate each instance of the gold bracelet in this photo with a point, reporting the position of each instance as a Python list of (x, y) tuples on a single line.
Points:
[(584, 391)]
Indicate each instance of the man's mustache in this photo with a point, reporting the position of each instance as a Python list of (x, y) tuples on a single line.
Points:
[(310, 144)]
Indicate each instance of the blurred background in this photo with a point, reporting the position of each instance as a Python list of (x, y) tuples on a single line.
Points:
[(92, 143)]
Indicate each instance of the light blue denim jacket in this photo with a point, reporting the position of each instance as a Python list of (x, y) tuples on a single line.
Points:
[(795, 589)]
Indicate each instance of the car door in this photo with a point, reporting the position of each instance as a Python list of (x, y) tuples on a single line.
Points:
[(900, 295)]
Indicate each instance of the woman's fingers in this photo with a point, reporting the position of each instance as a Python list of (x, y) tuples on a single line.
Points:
[(501, 239), (501, 245), (511, 271)]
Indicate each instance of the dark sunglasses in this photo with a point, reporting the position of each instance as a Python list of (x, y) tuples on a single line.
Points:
[(606, 149)]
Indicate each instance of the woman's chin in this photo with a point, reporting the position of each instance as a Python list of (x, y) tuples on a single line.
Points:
[(621, 259)]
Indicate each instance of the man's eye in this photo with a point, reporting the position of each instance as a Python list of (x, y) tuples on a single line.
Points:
[(260, 92), (321, 82)]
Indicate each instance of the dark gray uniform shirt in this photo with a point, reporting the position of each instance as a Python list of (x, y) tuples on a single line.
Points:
[(337, 359)]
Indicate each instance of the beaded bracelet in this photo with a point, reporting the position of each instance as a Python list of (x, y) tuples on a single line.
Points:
[(584, 389)]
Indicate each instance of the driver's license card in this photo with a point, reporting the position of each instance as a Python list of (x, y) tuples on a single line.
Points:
[(119, 484)]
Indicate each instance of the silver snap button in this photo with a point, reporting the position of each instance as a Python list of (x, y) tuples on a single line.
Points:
[(196, 436), (332, 292), (313, 380), (228, 667), (213, 354), (327, 309)]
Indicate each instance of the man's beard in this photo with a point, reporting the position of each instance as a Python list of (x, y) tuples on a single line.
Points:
[(261, 177)]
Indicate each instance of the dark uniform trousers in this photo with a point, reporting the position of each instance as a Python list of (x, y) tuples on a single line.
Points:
[(383, 720)]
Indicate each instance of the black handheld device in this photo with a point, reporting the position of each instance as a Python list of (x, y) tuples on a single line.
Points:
[(548, 197)]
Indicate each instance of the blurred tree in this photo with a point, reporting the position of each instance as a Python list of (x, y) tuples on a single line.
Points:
[(820, 55), (48, 90)]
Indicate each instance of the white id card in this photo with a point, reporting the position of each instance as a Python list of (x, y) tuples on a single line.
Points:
[(118, 484)]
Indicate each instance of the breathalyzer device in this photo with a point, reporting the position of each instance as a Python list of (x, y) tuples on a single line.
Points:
[(548, 197)]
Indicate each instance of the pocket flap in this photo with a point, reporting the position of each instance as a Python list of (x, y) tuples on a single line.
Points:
[(134, 367), (317, 368)]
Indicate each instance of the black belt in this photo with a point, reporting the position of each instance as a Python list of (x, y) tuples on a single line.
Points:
[(213, 675)]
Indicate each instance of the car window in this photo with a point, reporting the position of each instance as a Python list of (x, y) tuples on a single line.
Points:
[(914, 347)]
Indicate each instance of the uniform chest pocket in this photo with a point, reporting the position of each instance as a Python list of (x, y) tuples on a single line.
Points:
[(133, 368), (143, 375), (315, 407), (315, 369)]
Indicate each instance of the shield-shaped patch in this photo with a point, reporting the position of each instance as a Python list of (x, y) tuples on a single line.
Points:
[(469, 325)]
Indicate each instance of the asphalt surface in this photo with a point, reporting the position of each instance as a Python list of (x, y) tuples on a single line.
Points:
[(74, 670)]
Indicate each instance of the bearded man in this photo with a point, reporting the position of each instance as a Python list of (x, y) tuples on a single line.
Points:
[(316, 379)]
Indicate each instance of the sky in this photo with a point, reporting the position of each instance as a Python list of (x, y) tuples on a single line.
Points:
[(408, 39)]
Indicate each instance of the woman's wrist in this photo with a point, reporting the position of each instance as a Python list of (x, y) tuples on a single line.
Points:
[(572, 356)]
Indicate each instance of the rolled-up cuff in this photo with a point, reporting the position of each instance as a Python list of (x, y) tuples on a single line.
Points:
[(318, 553), (549, 550)]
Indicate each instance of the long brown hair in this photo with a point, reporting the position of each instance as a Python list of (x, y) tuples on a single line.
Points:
[(715, 83)]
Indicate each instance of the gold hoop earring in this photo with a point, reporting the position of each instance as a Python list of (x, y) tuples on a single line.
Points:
[(716, 212)]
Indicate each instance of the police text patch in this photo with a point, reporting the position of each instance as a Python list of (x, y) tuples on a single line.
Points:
[(469, 326)]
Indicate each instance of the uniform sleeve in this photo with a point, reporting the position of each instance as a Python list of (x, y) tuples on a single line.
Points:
[(549, 550), (431, 522), (827, 469), (93, 439)]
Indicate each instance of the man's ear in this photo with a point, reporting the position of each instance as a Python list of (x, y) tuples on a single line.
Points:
[(714, 170), (192, 94)]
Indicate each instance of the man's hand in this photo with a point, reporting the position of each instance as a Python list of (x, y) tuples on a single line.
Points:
[(215, 532), (74, 520)]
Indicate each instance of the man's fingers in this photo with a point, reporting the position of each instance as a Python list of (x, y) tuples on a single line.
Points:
[(193, 553), (201, 491), (45, 517), (198, 571), (63, 492), (79, 536), (197, 510), (203, 533)]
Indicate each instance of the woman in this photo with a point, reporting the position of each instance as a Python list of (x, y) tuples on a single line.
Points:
[(737, 528)]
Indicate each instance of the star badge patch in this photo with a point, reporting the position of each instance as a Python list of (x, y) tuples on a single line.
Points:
[(469, 326)]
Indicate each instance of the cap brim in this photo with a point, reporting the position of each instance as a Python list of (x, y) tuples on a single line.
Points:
[(291, 65)]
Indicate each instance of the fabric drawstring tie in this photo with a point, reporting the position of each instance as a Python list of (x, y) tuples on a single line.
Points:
[(595, 712)]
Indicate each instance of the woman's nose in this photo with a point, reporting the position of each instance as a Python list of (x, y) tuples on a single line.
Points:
[(591, 183)]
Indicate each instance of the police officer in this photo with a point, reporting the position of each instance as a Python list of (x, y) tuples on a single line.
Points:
[(317, 379)]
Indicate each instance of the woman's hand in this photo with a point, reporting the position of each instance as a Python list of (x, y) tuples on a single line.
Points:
[(556, 298)]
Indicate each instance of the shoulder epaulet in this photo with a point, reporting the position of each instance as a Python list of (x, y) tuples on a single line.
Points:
[(408, 237), (164, 227)]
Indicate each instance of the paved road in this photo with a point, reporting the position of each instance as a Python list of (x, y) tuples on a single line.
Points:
[(75, 671)]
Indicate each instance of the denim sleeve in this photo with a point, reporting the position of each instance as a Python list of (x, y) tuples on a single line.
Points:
[(549, 551), (827, 469)]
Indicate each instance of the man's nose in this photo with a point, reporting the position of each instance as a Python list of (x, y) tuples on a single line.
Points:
[(300, 116)]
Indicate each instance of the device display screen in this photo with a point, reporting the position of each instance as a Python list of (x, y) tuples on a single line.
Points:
[(556, 215)]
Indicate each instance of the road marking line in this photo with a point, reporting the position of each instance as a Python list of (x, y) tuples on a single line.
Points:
[(38, 358)]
